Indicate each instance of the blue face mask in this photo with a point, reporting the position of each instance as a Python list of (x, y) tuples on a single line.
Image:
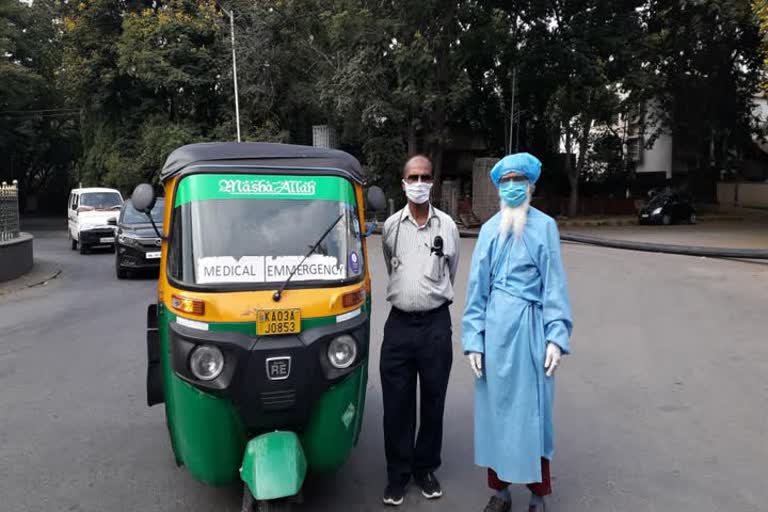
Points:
[(514, 193)]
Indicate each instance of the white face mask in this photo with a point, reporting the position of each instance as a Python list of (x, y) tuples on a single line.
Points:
[(417, 192)]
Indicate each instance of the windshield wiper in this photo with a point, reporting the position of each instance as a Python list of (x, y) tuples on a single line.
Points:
[(279, 293)]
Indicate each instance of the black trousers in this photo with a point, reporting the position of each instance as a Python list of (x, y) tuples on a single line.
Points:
[(415, 346)]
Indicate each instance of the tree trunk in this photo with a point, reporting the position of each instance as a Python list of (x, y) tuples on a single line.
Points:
[(412, 140), (575, 172), (573, 203), (436, 155)]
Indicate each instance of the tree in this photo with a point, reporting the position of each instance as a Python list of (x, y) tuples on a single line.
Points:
[(150, 75), (585, 48), (701, 64), (38, 130)]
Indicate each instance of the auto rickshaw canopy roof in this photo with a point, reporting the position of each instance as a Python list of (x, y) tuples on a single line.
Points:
[(308, 159)]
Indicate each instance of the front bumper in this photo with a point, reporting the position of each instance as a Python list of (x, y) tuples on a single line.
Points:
[(263, 403), (97, 236), (649, 218), (138, 257)]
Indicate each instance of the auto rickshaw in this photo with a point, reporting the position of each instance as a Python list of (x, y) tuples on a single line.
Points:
[(258, 343)]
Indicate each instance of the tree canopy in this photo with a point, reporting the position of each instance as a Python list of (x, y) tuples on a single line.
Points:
[(100, 91)]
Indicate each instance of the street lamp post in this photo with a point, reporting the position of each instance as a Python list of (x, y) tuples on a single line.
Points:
[(231, 15)]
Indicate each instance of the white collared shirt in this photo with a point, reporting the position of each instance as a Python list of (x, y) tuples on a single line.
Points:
[(418, 279)]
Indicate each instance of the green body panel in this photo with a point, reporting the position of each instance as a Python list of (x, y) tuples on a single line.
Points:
[(335, 423), (201, 187), (209, 438), (206, 432), (274, 465)]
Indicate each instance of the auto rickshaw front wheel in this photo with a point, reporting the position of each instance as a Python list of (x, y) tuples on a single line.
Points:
[(252, 505)]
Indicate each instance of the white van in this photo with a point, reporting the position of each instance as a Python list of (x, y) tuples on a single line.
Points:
[(89, 210)]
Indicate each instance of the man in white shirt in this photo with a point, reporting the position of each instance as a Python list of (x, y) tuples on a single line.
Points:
[(421, 250)]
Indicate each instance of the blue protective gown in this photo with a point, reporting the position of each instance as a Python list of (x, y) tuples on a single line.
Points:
[(517, 300)]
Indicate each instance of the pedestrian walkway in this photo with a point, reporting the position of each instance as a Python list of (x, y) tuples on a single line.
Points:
[(42, 272)]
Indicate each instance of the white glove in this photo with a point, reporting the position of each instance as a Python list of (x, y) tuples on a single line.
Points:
[(476, 363), (552, 361)]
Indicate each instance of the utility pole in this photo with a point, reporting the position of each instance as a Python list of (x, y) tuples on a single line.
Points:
[(512, 111), (231, 15), (234, 71)]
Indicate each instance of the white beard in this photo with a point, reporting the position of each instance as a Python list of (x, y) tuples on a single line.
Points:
[(514, 219)]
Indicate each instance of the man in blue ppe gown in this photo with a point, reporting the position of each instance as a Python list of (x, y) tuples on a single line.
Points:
[(517, 324)]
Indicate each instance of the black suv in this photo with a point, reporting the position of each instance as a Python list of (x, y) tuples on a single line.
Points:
[(137, 245)]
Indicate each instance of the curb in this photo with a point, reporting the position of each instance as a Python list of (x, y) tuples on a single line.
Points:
[(28, 281)]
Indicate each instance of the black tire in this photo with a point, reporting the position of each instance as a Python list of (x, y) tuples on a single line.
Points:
[(84, 249), (121, 272), (282, 505), (666, 219), (248, 504), (692, 218), (252, 505), (74, 243)]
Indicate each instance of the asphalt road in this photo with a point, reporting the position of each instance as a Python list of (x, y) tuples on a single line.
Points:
[(662, 406)]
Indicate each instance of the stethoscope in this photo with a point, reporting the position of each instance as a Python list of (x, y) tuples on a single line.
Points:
[(437, 243)]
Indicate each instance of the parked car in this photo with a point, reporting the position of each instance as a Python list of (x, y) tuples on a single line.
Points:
[(88, 211), (137, 245), (668, 208)]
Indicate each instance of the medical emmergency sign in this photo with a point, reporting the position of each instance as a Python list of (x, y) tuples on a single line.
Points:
[(268, 269)]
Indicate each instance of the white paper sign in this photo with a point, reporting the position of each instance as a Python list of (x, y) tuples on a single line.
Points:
[(226, 269), (315, 268), (268, 269)]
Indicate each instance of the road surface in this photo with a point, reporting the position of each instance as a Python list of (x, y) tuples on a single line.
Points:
[(663, 405)]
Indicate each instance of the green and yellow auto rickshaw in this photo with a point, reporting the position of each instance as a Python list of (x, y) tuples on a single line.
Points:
[(258, 343)]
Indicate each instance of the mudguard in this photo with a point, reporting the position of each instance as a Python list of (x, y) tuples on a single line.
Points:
[(274, 465)]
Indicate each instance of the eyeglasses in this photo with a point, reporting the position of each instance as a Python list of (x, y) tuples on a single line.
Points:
[(511, 177), (423, 178)]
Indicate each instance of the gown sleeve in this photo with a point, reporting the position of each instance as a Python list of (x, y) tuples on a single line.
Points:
[(478, 291), (558, 322)]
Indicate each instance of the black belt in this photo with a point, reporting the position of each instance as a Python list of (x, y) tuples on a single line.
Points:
[(420, 314)]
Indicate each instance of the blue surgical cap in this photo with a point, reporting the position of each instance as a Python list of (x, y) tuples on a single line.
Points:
[(522, 163)]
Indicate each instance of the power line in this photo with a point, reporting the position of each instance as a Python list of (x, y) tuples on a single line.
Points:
[(38, 116), (40, 111)]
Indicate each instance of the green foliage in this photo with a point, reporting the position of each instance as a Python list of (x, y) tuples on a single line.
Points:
[(38, 139), (394, 78)]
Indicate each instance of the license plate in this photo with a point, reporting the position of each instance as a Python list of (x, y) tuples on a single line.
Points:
[(645, 215), (278, 368), (271, 322), (107, 240), (153, 255)]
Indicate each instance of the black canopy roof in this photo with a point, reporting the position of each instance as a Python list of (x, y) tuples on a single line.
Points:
[(265, 154)]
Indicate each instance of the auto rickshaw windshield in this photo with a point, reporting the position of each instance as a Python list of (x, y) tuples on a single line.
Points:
[(259, 230)]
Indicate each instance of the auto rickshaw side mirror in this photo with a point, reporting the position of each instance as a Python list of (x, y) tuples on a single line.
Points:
[(143, 198), (377, 200)]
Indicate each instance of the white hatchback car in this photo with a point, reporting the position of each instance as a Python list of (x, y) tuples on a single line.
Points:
[(89, 210)]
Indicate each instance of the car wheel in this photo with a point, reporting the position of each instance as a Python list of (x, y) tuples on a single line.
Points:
[(692, 218), (666, 219), (74, 243), (121, 272), (84, 249)]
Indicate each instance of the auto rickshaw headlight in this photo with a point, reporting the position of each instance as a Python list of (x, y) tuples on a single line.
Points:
[(342, 351), (206, 362), (657, 211)]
